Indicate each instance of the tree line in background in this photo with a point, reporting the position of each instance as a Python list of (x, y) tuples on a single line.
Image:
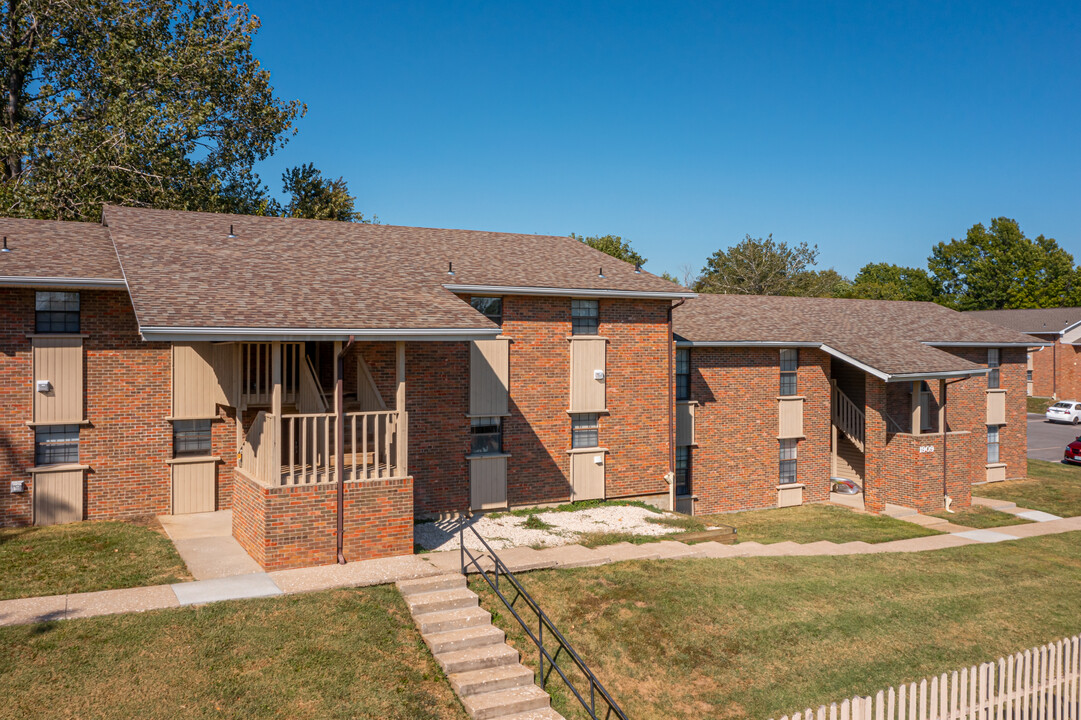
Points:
[(990, 268)]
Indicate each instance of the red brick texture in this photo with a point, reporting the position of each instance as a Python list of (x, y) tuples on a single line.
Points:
[(296, 526), (1056, 370), (736, 463)]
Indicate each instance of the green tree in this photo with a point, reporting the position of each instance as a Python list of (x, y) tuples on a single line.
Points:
[(999, 267), (614, 245), (138, 102), (763, 266), (313, 196), (883, 281)]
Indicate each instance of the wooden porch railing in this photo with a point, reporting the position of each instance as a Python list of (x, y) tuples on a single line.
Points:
[(300, 450), (849, 418), (256, 372)]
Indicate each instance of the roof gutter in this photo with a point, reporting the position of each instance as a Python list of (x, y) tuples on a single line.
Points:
[(568, 292), (833, 352), (193, 334), (1034, 343), (59, 282)]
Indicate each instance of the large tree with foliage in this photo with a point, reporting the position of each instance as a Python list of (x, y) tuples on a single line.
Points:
[(613, 245), (883, 281), (999, 267), (139, 102), (313, 196), (764, 266)]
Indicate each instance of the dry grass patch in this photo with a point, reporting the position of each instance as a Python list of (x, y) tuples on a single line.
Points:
[(338, 654), (811, 523), (86, 556), (979, 516), (1051, 487), (761, 637)]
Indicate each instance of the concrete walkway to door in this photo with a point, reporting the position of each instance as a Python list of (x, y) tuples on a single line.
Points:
[(206, 544)]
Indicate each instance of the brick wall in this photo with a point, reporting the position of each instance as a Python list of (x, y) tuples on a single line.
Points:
[(1043, 367), (736, 463), (296, 526)]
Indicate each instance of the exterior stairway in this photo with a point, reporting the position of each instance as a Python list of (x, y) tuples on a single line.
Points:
[(482, 668)]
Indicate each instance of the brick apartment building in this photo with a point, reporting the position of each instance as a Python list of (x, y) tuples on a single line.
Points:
[(1055, 369), (777, 395), (173, 362)]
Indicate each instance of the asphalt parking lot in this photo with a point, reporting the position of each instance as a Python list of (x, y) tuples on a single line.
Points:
[(1046, 441)]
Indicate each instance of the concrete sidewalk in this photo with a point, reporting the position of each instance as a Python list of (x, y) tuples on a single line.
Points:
[(387, 570)]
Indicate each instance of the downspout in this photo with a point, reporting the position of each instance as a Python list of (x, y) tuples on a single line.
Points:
[(946, 499), (339, 444), (671, 476)]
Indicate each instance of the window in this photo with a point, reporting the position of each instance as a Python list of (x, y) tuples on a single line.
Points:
[(788, 461), (487, 435), (584, 430), (56, 444), (789, 365), (191, 438), (683, 373), (992, 443), (489, 307), (925, 407), (992, 362), (683, 471), (585, 317), (57, 312)]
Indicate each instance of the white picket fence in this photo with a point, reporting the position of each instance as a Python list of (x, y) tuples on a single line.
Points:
[(1039, 684)]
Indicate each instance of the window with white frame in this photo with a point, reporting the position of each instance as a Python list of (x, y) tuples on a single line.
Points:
[(683, 471), (585, 317), (993, 363), (486, 435), (683, 373), (992, 443), (584, 430), (788, 462), (789, 366)]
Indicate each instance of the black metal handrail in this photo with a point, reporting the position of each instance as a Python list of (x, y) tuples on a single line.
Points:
[(543, 622)]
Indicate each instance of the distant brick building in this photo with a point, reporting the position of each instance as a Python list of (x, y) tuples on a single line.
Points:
[(172, 362), (1054, 370)]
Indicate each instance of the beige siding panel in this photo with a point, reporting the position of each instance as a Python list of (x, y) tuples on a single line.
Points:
[(60, 361), (996, 473), (368, 397), (684, 424), (488, 483), (587, 392), (197, 386), (790, 417), (790, 496), (58, 497), (489, 377), (194, 487), (996, 407), (587, 476), (223, 359)]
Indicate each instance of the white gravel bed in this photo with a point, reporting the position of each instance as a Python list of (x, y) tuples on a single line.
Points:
[(509, 531)]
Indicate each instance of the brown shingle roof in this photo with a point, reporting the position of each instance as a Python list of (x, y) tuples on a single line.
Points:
[(183, 271), (51, 249), (1044, 320), (889, 336)]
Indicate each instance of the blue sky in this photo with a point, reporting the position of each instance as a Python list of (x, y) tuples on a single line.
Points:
[(873, 129)]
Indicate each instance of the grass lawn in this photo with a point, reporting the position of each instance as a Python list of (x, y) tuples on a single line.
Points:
[(87, 556), (336, 654), (978, 516), (810, 523), (1038, 404), (761, 637), (1052, 487)]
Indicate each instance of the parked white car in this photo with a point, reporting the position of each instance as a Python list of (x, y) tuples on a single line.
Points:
[(1065, 411)]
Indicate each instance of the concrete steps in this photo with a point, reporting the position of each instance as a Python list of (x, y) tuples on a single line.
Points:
[(485, 672)]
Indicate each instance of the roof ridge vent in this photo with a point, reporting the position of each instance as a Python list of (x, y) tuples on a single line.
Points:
[(5, 248)]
